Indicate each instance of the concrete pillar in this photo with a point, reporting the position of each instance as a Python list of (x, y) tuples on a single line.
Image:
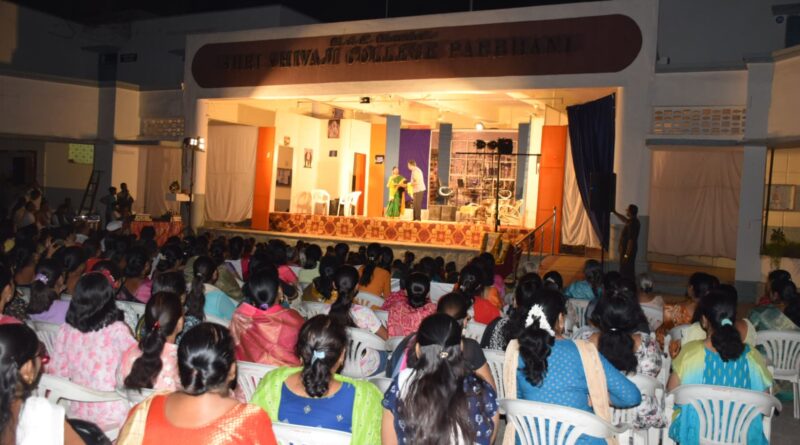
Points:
[(197, 126), (392, 150)]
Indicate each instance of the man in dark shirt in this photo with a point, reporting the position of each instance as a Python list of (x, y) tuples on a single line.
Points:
[(628, 242)]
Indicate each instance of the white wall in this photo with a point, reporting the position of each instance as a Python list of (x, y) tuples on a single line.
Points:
[(304, 133), (784, 113), (712, 88), (126, 167)]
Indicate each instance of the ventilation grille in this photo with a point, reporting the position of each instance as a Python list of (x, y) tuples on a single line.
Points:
[(699, 121), (167, 128)]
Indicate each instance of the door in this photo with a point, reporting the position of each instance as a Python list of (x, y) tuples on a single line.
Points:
[(360, 180), (283, 179)]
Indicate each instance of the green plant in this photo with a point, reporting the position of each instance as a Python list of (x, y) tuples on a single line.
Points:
[(777, 236)]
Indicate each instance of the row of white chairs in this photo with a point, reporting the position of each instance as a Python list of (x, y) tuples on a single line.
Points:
[(576, 310)]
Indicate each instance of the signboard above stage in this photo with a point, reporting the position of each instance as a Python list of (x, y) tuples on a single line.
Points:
[(583, 45)]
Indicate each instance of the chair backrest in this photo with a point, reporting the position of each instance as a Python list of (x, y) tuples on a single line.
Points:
[(134, 396), (577, 310), (361, 343), (439, 290), (319, 195), (676, 333), (287, 434), (495, 359), (545, 424), (58, 389), (654, 315), (382, 383), (217, 320), (725, 413), (383, 316), (352, 198), (393, 342), (648, 386), (395, 284), (133, 312), (370, 299), (475, 330), (782, 348), (47, 333), (248, 376), (312, 308), (666, 362)]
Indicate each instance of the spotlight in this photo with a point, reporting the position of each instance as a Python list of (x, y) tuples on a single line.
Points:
[(505, 146), (492, 145), (479, 126), (195, 143), (365, 100), (480, 144)]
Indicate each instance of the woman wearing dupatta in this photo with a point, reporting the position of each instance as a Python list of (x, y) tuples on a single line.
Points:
[(314, 395), (397, 187)]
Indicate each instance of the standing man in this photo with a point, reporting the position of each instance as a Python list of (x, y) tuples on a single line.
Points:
[(628, 242), (417, 184)]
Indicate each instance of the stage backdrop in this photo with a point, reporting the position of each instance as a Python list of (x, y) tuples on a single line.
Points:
[(416, 145), (231, 169)]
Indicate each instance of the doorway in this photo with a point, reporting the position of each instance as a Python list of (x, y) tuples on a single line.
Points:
[(359, 180), (283, 179)]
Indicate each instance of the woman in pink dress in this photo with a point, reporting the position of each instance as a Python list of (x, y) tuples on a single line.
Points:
[(408, 308), (136, 285), (89, 346)]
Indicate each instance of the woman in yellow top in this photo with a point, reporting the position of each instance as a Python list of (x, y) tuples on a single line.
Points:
[(397, 188)]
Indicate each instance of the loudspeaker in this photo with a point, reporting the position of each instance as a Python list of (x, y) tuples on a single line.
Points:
[(505, 146), (602, 192)]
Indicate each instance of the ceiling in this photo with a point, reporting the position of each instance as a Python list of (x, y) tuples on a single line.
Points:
[(495, 109)]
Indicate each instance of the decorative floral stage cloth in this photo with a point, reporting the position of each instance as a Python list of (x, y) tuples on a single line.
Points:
[(467, 235), (164, 229)]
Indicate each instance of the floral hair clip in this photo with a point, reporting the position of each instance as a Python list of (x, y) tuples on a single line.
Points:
[(537, 313), (42, 278)]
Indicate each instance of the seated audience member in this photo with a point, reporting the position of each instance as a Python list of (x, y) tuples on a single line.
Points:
[(44, 304), (450, 273), (495, 285), (214, 302), (645, 292), (314, 394), (110, 270), (552, 280), (93, 339), (375, 280), (234, 260), (439, 400), (735, 364), (22, 259), (407, 309), (769, 296), (170, 259), (153, 363), (202, 411), (498, 332), (345, 311), (27, 419), (783, 314), (310, 261), (136, 286), (470, 283), (321, 288), (386, 259), (591, 286), (263, 330), (683, 313), (619, 338), (696, 330), (7, 292), (226, 281), (280, 254), (561, 371)]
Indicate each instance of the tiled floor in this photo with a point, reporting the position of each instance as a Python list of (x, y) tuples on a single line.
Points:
[(785, 428)]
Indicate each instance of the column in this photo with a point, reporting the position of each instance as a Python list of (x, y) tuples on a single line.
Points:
[(197, 126), (392, 150)]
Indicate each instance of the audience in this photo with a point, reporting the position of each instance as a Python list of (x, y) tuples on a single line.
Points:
[(409, 307), (783, 311), (696, 330), (345, 311), (644, 286), (7, 292), (44, 303), (321, 288), (471, 284), (204, 294), (591, 286), (498, 332), (310, 257), (374, 279)]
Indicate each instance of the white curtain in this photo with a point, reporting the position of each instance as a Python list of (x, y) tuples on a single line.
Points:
[(231, 166), (576, 227), (163, 167), (694, 201)]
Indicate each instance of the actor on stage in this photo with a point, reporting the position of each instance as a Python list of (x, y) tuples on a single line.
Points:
[(417, 184), (397, 191), (628, 242)]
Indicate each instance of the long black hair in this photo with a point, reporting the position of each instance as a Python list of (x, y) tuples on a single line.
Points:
[(18, 346), (617, 315), (170, 257), (93, 306), (471, 281), (719, 310), (162, 314), (527, 287), (202, 272), (205, 357), (43, 292), (593, 274), (787, 292), (346, 281), (435, 407), (172, 282), (310, 256), (72, 259), (373, 255), (235, 248), (418, 288), (387, 257), (324, 282), (320, 344), (262, 288), (135, 262), (535, 343)]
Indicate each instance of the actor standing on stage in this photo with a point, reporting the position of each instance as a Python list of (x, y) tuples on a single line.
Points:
[(397, 194), (628, 242), (418, 186)]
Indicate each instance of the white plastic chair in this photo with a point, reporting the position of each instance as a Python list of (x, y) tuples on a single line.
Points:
[(576, 310), (349, 203), (726, 413), (369, 299), (382, 383), (496, 359), (393, 342), (319, 196), (133, 312), (655, 316), (248, 376), (287, 434), (782, 348), (383, 316), (47, 333), (439, 290), (217, 320), (475, 330), (313, 308), (666, 362), (134, 396), (648, 386), (395, 282), (59, 390), (546, 424), (363, 345)]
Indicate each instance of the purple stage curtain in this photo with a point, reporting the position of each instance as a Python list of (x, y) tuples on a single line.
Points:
[(416, 145)]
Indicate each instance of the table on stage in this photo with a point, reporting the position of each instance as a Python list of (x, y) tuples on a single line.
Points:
[(164, 229)]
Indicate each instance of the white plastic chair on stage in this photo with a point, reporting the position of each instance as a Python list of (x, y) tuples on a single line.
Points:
[(383, 316), (475, 330), (782, 348), (546, 424), (726, 413), (349, 203), (217, 320), (439, 290), (319, 196), (47, 333), (576, 313), (313, 308), (287, 434), (382, 383), (361, 342), (648, 386), (496, 359), (133, 312), (59, 390), (248, 376), (367, 299), (655, 316)]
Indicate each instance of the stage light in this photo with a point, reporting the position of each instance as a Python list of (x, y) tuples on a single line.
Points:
[(480, 144), (195, 143), (505, 146), (365, 100), (479, 126), (492, 145)]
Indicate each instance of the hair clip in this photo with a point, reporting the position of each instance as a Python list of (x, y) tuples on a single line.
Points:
[(726, 322), (42, 278), (108, 276), (317, 355), (444, 354), (156, 326), (264, 307)]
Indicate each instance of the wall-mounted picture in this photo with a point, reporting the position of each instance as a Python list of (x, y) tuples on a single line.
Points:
[(379, 159), (333, 129), (333, 153), (284, 177), (781, 197), (308, 156)]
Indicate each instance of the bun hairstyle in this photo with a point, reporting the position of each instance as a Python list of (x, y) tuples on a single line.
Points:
[(702, 283), (535, 342), (439, 382), (387, 257), (162, 314), (205, 357), (170, 257), (373, 255), (235, 247), (135, 262), (18, 345), (644, 283), (310, 256), (454, 304), (418, 288), (172, 282), (719, 310), (553, 281), (203, 272), (346, 282), (93, 306), (320, 344), (470, 281), (262, 288), (616, 315), (43, 292)]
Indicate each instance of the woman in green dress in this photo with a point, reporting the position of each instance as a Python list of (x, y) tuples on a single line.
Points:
[(397, 187)]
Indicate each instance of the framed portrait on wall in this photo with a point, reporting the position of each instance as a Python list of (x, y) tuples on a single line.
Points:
[(284, 178), (333, 128), (781, 197), (308, 157)]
